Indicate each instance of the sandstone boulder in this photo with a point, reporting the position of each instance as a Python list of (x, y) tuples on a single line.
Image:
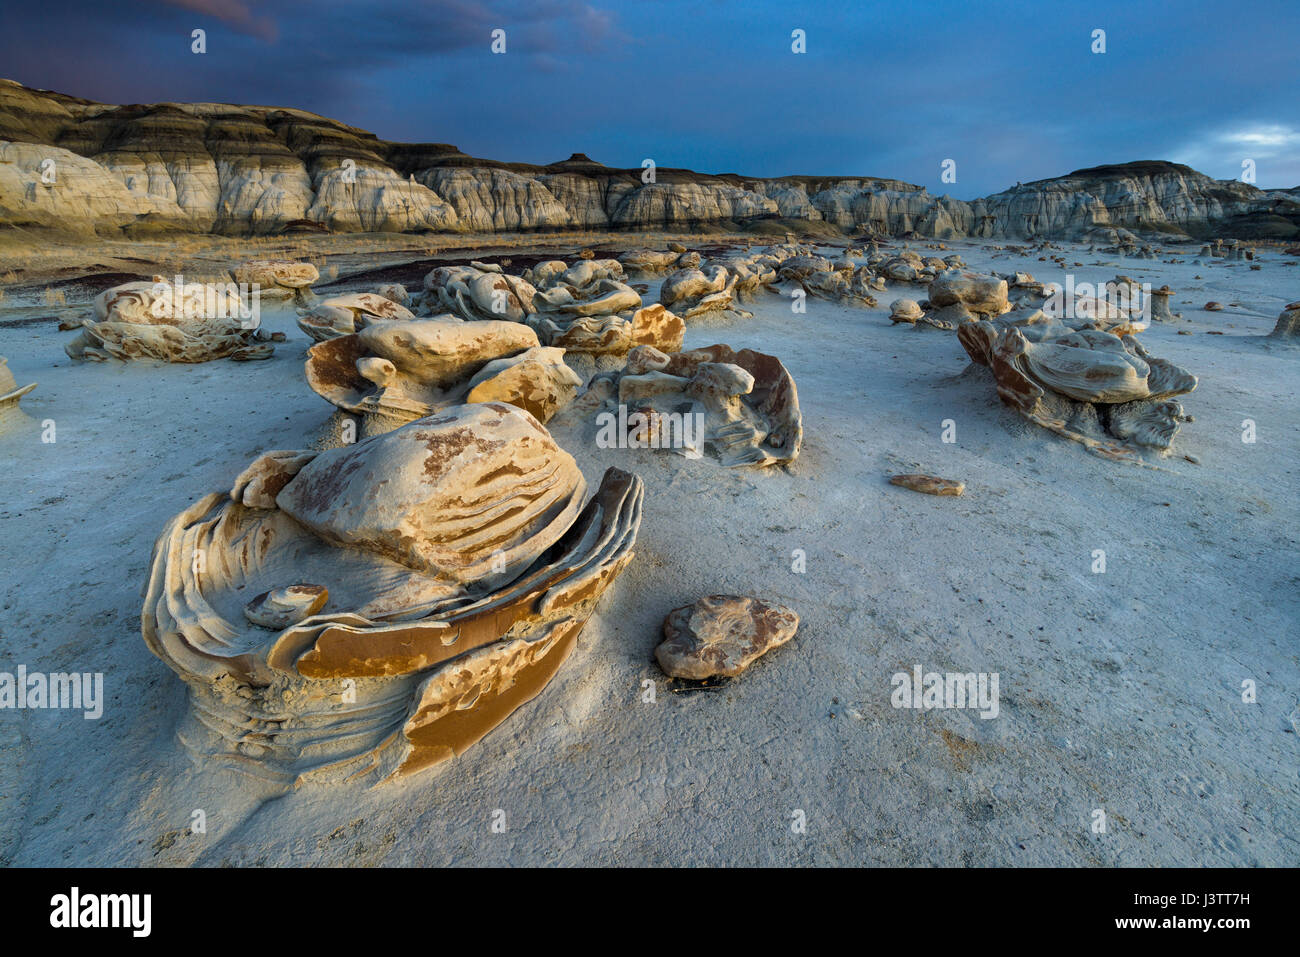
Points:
[(982, 295), (344, 315), (701, 293), (11, 414), (722, 635), (433, 579), (183, 322), (391, 373), (278, 278), (396, 292), (1288, 324), (905, 310), (1087, 385), (740, 406)]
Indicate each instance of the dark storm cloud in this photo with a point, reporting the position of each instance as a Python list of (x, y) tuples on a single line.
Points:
[(1011, 90)]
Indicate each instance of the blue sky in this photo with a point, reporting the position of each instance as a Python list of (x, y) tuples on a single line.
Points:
[(1009, 90)]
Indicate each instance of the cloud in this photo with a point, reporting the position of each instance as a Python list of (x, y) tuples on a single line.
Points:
[(232, 13), (712, 86), (1271, 139), (1273, 148)]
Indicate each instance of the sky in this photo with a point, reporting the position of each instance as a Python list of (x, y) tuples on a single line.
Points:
[(1008, 91)]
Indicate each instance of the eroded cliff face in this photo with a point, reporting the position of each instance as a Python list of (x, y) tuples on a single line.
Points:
[(1145, 197), (78, 166)]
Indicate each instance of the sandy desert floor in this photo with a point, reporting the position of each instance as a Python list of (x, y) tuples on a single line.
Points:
[(1120, 691)]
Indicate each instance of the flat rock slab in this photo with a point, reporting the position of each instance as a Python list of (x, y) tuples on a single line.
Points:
[(929, 484), (722, 635)]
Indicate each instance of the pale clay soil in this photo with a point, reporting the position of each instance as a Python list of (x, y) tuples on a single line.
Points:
[(1119, 691)]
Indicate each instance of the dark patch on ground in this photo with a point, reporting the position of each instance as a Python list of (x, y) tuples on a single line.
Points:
[(411, 274), (686, 686), (29, 321), (77, 279)]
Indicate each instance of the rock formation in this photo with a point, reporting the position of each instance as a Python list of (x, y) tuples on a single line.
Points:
[(1160, 305), (1288, 323), (695, 293), (412, 591), (11, 414), (841, 282), (909, 311), (905, 310), (743, 406), (478, 291), (278, 278), (653, 262), (722, 635), (1102, 390), (344, 315), (192, 322), (585, 309), (981, 295), (909, 266), (248, 170), (391, 373), (396, 292)]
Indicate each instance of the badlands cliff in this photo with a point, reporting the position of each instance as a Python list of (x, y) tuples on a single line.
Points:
[(76, 166)]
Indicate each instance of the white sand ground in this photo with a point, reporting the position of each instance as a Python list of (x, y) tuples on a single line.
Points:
[(1119, 691)]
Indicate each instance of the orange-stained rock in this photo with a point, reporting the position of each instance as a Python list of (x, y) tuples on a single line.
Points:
[(400, 371), (655, 326), (453, 566), (536, 380)]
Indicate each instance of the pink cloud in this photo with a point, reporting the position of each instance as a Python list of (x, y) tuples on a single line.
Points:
[(234, 14)]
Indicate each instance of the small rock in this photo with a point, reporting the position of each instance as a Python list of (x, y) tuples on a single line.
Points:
[(1213, 306), (929, 484), (281, 607), (905, 310), (722, 635)]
